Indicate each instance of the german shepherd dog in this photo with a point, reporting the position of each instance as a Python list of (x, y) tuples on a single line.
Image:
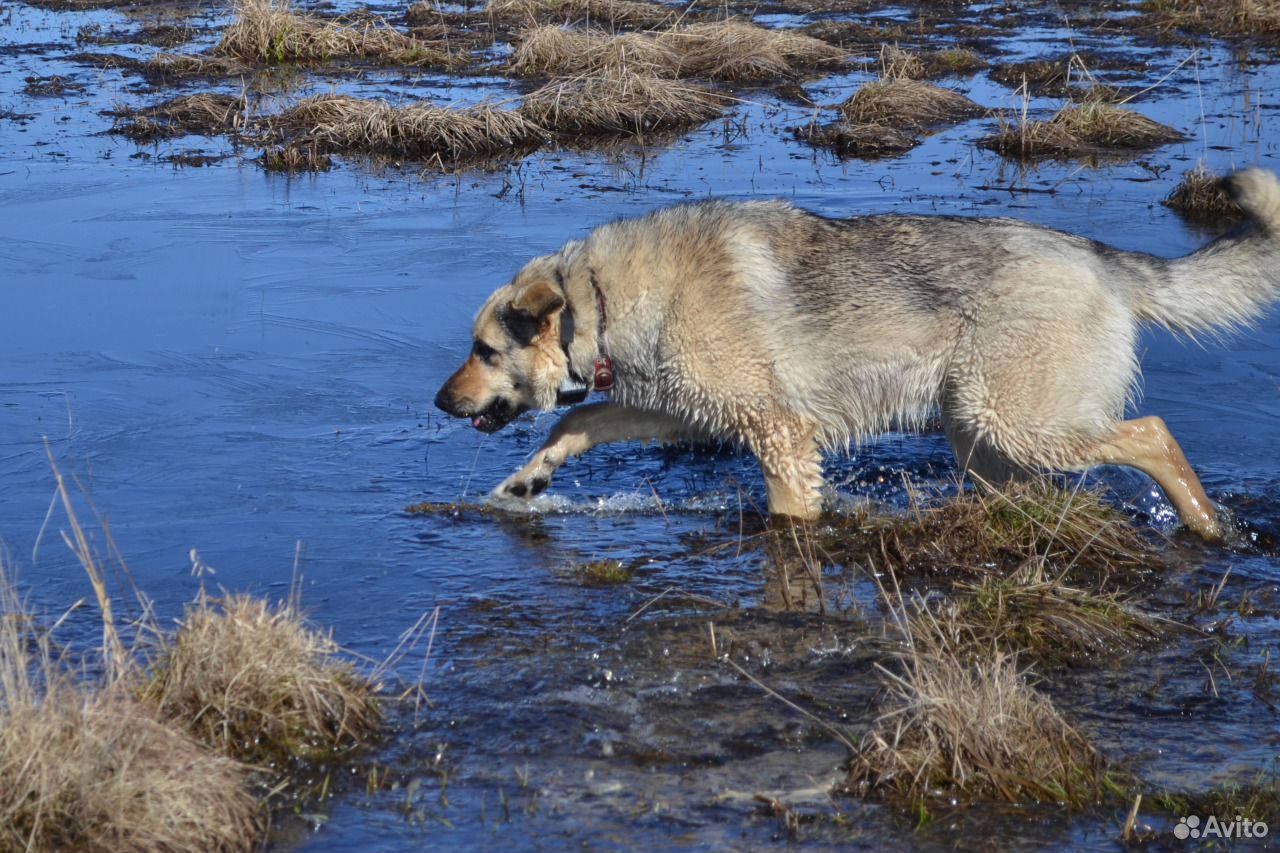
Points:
[(790, 333)]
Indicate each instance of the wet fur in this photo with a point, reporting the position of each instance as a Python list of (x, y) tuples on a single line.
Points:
[(764, 324)]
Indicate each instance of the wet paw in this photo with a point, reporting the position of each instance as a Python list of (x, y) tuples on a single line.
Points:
[(523, 485)]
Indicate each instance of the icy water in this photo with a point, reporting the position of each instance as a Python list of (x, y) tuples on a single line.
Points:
[(239, 362)]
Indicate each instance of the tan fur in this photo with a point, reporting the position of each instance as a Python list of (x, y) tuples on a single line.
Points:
[(762, 324)]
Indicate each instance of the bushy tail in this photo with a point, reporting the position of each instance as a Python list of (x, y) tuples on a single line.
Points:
[(1231, 281)]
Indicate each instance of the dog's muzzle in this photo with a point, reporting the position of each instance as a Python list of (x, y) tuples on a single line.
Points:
[(492, 418)]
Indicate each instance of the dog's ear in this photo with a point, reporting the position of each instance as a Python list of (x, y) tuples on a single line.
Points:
[(530, 311), (539, 300)]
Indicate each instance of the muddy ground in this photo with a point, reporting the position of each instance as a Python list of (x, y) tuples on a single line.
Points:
[(239, 360)]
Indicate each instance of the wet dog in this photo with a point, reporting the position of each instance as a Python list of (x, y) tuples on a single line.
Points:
[(791, 333)]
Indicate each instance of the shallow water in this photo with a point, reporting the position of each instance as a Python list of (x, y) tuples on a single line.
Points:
[(239, 362)]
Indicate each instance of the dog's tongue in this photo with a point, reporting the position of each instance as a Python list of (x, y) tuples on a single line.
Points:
[(480, 421)]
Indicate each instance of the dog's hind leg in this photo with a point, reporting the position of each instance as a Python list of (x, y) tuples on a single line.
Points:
[(1147, 444), (581, 429)]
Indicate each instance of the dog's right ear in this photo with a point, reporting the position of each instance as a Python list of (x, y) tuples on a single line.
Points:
[(539, 300), (529, 313)]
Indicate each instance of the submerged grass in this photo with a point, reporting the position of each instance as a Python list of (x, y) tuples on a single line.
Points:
[(258, 683), (962, 722), (1092, 127), (296, 158), (272, 32), (868, 141), (1257, 799), (725, 50), (619, 102), (602, 573), (1201, 198)]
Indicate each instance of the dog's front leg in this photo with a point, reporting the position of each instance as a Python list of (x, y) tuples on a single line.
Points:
[(582, 429), (792, 466)]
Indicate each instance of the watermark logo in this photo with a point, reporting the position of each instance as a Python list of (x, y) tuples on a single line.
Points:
[(1242, 827)]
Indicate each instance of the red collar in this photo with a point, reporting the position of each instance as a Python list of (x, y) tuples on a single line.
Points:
[(602, 380)]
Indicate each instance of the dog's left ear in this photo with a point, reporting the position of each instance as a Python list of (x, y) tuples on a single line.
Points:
[(539, 300)]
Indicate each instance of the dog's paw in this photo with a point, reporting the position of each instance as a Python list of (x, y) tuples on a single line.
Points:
[(523, 484)]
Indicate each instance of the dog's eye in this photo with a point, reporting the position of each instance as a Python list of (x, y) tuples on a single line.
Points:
[(485, 353)]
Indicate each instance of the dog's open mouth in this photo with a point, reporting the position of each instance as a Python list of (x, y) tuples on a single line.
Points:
[(499, 414)]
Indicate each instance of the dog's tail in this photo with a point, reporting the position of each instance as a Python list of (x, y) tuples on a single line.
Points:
[(1231, 281)]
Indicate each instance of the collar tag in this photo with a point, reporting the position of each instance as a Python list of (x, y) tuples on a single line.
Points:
[(603, 379)]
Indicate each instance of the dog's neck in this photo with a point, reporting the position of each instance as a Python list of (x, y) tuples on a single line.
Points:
[(601, 374)]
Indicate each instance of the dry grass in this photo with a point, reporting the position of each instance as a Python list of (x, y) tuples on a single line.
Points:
[(726, 50), (258, 683), (89, 767), (441, 135), (620, 102), (1058, 624), (205, 114), (558, 50), (1075, 532), (1200, 197), (601, 13), (271, 32), (963, 723), (908, 104), (1092, 127), (899, 64), (737, 50), (867, 141), (1247, 18)]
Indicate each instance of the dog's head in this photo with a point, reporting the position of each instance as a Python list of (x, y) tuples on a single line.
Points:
[(517, 361)]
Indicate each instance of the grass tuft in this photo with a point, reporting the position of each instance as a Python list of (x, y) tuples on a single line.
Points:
[(908, 104), (962, 722), (260, 684), (1238, 18), (447, 137), (568, 51), (90, 767), (1200, 198), (601, 13), (1071, 532), (1091, 127), (737, 50), (205, 114), (725, 50), (1057, 624), (271, 32), (619, 102)]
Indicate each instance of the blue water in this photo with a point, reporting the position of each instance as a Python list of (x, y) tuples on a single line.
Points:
[(243, 363)]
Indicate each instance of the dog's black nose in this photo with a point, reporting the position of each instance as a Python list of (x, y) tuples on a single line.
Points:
[(444, 401)]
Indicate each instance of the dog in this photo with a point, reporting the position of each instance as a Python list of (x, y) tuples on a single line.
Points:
[(790, 333)]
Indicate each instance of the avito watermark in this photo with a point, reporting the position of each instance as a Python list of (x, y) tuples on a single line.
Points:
[(1241, 827)]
